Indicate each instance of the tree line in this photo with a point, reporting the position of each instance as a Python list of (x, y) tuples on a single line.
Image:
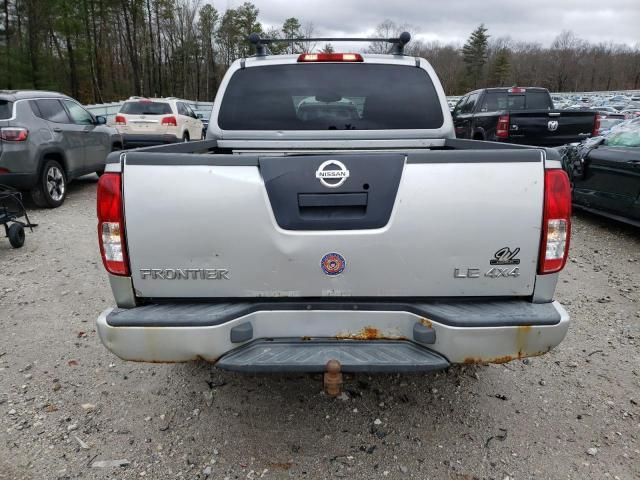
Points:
[(568, 64), (105, 50)]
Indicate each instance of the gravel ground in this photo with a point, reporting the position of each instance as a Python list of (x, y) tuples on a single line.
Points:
[(66, 403)]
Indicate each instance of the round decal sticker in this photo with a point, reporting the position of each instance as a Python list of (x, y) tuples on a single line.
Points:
[(333, 263)]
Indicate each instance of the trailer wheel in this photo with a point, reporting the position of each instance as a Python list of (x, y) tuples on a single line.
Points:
[(16, 235)]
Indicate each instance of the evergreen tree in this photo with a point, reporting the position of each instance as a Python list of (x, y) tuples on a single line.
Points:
[(246, 23), (500, 68), (474, 53), (292, 29)]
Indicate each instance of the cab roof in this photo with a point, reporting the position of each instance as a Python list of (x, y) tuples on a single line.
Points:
[(14, 95)]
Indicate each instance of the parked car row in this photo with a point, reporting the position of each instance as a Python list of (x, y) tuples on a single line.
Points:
[(599, 143), (627, 105), (47, 139)]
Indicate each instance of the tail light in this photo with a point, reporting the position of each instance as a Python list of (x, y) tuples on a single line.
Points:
[(596, 125), (111, 224), (120, 120), (502, 130), (13, 134), (170, 121), (517, 90), (330, 57), (556, 227)]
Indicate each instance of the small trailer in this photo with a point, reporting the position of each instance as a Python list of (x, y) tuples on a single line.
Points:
[(11, 210)]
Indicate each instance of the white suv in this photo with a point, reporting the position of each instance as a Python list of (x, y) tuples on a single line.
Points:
[(154, 121)]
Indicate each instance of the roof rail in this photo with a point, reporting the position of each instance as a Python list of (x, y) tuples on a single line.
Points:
[(261, 44)]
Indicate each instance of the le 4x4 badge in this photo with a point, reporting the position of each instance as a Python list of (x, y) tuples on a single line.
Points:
[(494, 272)]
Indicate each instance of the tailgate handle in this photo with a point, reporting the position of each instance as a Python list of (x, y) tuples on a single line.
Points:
[(306, 200), (328, 207)]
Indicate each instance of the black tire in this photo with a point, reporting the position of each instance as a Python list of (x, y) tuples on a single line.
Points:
[(51, 189), (16, 235), (185, 137)]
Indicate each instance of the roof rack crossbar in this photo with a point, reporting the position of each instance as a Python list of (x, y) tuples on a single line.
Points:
[(397, 44)]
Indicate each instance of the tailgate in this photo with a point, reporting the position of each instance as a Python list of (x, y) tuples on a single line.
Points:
[(550, 128), (438, 223), (145, 124)]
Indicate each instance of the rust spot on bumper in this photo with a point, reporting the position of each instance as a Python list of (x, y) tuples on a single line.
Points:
[(368, 333), (523, 348), (194, 358), (426, 322), (505, 358)]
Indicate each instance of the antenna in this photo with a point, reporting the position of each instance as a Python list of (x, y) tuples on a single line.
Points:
[(261, 44)]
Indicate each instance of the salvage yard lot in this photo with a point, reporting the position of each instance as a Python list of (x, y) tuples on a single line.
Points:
[(65, 402)]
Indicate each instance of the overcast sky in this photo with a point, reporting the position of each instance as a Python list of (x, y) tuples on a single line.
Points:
[(615, 21)]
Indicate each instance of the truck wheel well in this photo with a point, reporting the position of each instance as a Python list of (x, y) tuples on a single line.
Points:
[(58, 157)]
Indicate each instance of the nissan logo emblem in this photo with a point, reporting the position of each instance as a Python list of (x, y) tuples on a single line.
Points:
[(332, 173)]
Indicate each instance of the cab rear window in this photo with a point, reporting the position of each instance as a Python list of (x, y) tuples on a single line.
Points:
[(6, 109), (143, 107), (330, 96), (531, 100)]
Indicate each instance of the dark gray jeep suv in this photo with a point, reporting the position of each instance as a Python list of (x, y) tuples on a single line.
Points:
[(46, 140)]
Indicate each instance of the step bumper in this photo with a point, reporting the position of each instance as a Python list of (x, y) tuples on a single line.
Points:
[(293, 355), (480, 333)]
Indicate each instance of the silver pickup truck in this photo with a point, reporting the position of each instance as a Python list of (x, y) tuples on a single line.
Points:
[(332, 215)]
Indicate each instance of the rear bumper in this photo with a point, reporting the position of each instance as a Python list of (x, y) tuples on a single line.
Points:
[(132, 140), (467, 332)]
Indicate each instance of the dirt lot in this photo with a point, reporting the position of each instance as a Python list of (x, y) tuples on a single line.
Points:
[(66, 403)]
